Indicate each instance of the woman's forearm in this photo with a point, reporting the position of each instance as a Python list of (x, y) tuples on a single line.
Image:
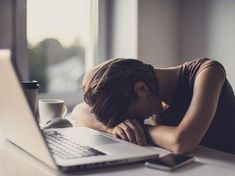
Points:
[(164, 136), (82, 116)]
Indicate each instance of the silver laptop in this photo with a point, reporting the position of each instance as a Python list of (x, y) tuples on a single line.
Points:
[(62, 148)]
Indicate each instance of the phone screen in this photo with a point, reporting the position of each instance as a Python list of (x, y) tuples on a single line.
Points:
[(170, 161)]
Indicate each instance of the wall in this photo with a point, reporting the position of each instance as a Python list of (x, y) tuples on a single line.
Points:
[(6, 23), (123, 28), (173, 31), (158, 35), (13, 31), (221, 35), (208, 30), (193, 29)]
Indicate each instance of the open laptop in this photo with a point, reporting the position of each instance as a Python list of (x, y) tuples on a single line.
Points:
[(60, 148)]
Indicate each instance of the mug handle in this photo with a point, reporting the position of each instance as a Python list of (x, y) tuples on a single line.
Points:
[(65, 110)]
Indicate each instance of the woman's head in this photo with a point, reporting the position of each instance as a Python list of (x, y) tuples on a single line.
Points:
[(110, 88)]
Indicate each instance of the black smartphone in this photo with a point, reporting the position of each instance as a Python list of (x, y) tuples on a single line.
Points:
[(169, 162)]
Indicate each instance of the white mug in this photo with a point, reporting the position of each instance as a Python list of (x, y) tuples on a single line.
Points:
[(49, 109)]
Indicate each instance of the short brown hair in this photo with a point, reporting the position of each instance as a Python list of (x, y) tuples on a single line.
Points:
[(109, 88)]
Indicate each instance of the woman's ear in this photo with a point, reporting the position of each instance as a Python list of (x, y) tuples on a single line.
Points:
[(142, 90)]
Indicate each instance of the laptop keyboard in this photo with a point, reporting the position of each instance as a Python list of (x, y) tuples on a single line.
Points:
[(66, 148)]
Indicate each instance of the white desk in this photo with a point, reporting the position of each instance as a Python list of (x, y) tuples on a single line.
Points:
[(15, 162)]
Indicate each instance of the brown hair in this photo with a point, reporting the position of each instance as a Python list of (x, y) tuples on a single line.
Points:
[(109, 88)]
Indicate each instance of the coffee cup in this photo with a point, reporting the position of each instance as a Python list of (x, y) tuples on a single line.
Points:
[(31, 91), (50, 110)]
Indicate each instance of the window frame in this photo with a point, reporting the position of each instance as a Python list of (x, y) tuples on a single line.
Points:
[(96, 50)]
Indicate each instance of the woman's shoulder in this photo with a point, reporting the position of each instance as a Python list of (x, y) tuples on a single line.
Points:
[(192, 68), (202, 63)]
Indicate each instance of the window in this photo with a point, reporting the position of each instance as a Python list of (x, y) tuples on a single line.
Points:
[(62, 45)]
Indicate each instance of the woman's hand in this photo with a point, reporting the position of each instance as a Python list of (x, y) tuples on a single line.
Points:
[(130, 130)]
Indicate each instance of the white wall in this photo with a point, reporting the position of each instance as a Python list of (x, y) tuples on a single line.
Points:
[(123, 34), (193, 29), (208, 30), (158, 35), (174, 31), (221, 35)]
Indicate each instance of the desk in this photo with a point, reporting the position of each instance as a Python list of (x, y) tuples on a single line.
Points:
[(15, 162)]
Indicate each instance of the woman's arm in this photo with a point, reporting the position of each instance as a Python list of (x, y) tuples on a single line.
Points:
[(129, 130), (82, 116), (187, 135)]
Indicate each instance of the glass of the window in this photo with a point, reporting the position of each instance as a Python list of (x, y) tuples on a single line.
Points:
[(58, 35)]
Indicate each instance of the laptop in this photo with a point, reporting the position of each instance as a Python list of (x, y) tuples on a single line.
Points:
[(63, 149)]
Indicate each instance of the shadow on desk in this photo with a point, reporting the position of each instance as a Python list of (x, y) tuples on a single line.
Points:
[(14, 161)]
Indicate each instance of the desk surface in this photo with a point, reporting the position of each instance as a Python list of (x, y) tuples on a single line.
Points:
[(14, 161)]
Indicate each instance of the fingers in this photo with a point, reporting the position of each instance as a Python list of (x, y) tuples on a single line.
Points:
[(129, 132), (120, 133), (140, 135), (134, 131), (123, 131)]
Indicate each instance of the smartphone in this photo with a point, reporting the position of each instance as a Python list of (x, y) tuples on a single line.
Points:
[(169, 162)]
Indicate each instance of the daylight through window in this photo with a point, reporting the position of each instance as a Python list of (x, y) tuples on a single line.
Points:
[(57, 33)]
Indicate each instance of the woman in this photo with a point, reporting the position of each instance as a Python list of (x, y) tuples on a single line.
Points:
[(187, 105)]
